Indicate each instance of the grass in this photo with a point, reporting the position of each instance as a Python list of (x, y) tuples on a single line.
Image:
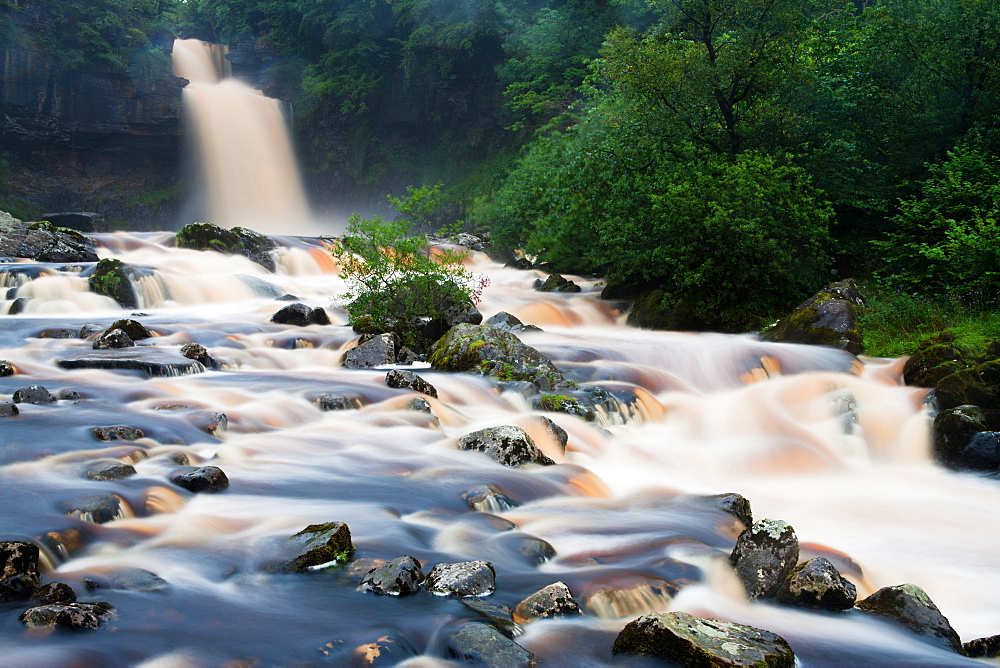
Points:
[(894, 322)]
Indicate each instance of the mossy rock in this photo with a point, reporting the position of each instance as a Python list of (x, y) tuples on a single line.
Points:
[(237, 241), (910, 606), (935, 358), (320, 545), (649, 312), (111, 280), (828, 318), (968, 386)]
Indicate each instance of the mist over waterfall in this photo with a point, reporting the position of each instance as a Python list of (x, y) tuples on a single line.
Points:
[(247, 171)]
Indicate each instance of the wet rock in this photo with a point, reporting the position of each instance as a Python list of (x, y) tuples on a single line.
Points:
[(736, 505), (828, 318), (522, 263), (396, 577), (8, 409), (379, 350), (935, 358), (45, 242), (319, 316), (111, 279), (147, 359), (198, 353), (17, 306), (627, 597), (484, 645), (977, 386), (133, 328), (466, 578), (99, 509), (53, 593), (71, 616), (18, 570), (33, 394), (6, 368), (488, 499), (910, 606), (68, 395), (117, 433), (510, 323), (89, 330), (389, 650), (531, 549), (210, 479), (110, 471), (210, 422), (555, 600), (557, 283), (81, 221), (58, 333), (557, 432), (496, 614), (817, 584), (238, 241), (695, 641), (336, 402), (764, 556), (113, 339), (318, 545), (420, 405), (65, 543), (508, 445), (126, 579), (494, 352), (983, 647), (179, 458), (300, 315), (409, 380)]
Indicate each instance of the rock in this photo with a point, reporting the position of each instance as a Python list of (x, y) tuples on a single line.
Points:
[(113, 339), (828, 318), (736, 505), (58, 333), (135, 329), (6, 368), (910, 606), (376, 351), (8, 409), (496, 614), (522, 263), (510, 323), (396, 577), (488, 499), (81, 221), (300, 315), (126, 578), (556, 283), (558, 433), (18, 306), (33, 394), (508, 445), (555, 600), (111, 471), (935, 358), (44, 242), (979, 386), (238, 241), (420, 405), (983, 647), (389, 650), (695, 641), (72, 616), (68, 395), (764, 556), (198, 352), (466, 578), (18, 570), (494, 352), (319, 545), (111, 279), (210, 422), (147, 359), (118, 433), (484, 645), (53, 593), (409, 380), (99, 509), (336, 402), (205, 479), (817, 584)]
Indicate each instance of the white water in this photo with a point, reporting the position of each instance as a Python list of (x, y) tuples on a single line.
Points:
[(723, 414)]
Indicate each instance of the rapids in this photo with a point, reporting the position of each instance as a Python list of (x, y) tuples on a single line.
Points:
[(837, 448)]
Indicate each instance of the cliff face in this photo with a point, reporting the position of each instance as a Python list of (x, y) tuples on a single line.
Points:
[(58, 124)]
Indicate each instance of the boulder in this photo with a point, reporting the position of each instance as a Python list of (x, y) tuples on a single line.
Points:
[(33, 394), (396, 577), (817, 584), (555, 600), (374, 351), (336, 402), (135, 329), (204, 479), (99, 509), (238, 241), (111, 279), (17, 306), (466, 578), (52, 593), (828, 318), (147, 359), (556, 283), (18, 570), (8, 409), (300, 315), (113, 339), (411, 381), (686, 640), (6, 368), (909, 605), (935, 358), (506, 321), (484, 645), (978, 385), (318, 546), (521, 263), (494, 352), (113, 470), (117, 433), (764, 556), (44, 242), (508, 445), (736, 505), (198, 353), (983, 647), (82, 221), (72, 616)]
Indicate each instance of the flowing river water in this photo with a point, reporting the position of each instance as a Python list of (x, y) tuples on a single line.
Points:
[(837, 448)]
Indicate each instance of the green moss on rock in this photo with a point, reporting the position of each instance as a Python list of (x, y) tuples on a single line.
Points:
[(111, 280), (320, 544)]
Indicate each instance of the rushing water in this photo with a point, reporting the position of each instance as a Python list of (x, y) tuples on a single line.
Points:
[(837, 449)]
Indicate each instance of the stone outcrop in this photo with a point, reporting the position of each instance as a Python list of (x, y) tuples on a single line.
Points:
[(764, 556), (910, 606), (828, 318)]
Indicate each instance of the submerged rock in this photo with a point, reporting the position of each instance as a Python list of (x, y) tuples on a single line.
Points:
[(126, 578), (336, 402), (204, 479), (118, 433), (695, 641), (396, 577), (489, 499), (817, 584), (113, 470), (764, 556), (484, 645), (508, 445), (411, 381), (555, 600), (466, 578), (72, 616), (238, 241), (910, 606), (498, 615), (99, 509), (388, 650), (319, 545)]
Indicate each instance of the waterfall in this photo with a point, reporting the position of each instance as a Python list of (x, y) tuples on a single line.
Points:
[(246, 164)]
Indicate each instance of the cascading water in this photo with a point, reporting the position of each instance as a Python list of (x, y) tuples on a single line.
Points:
[(245, 154), (838, 450)]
